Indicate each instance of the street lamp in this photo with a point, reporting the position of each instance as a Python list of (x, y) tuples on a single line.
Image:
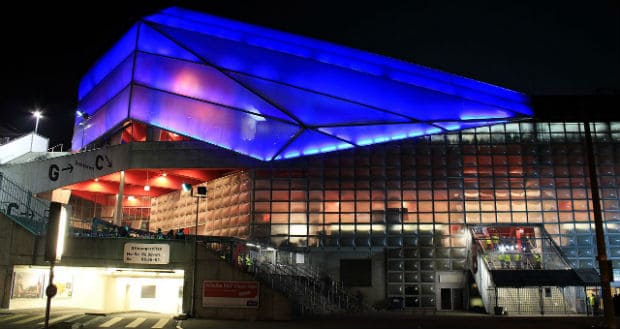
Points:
[(38, 115), (200, 192)]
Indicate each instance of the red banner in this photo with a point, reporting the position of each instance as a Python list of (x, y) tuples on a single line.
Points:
[(230, 293)]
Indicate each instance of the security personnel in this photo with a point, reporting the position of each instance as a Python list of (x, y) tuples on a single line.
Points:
[(517, 259), (537, 261)]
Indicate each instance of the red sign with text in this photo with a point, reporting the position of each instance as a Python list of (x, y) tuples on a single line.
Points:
[(230, 293)]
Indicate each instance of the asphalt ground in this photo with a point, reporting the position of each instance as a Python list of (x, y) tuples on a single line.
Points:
[(397, 320), (388, 320)]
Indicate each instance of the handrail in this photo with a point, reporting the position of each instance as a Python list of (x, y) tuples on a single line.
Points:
[(22, 206), (53, 148)]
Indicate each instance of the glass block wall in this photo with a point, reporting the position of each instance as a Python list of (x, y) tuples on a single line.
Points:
[(224, 212), (417, 195)]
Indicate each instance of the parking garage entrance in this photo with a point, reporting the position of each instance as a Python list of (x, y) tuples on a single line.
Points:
[(99, 289)]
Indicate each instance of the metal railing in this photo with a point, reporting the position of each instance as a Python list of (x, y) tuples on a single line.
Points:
[(23, 207), (312, 292)]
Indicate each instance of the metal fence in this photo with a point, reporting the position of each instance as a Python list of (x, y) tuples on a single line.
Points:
[(23, 207)]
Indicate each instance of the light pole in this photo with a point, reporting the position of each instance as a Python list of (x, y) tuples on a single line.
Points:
[(37, 115), (201, 192)]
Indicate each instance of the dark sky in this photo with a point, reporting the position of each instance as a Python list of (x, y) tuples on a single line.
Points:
[(545, 47)]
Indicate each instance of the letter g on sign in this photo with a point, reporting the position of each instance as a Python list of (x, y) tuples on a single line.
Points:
[(54, 172)]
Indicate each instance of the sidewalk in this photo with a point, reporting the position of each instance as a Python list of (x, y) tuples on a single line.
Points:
[(395, 320)]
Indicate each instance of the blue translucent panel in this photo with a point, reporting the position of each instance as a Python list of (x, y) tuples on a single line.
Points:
[(249, 134), (185, 24), (419, 103), (108, 62), (152, 41), (471, 94), (316, 109), (117, 80), (331, 53), (460, 125), (366, 135), (479, 111), (199, 81), (104, 120), (312, 142)]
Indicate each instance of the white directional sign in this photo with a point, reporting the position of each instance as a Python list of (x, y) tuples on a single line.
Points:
[(145, 253)]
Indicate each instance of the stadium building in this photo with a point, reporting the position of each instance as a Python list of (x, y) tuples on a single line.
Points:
[(410, 187)]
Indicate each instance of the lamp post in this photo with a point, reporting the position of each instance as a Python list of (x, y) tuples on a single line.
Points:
[(54, 245), (38, 115), (201, 192)]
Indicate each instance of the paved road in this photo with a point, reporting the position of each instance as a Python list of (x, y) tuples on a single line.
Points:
[(33, 319)]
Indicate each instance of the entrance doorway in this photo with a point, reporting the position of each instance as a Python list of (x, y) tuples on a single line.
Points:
[(451, 299), (449, 291), (99, 289)]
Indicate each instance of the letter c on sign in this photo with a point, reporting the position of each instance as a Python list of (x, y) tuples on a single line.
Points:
[(54, 172)]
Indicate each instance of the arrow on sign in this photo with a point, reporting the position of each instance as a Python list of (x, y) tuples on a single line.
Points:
[(99, 162), (70, 168)]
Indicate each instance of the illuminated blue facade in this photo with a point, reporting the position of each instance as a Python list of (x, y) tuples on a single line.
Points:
[(273, 95)]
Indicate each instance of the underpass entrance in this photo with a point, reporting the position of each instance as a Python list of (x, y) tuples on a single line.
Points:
[(99, 289)]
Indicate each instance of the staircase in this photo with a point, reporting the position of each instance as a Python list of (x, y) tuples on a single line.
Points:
[(526, 274), (311, 292), (22, 207)]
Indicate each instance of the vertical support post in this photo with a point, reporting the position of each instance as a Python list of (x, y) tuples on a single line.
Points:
[(603, 264), (50, 292), (540, 301), (118, 212), (195, 267)]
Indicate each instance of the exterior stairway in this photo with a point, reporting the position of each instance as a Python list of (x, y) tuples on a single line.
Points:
[(312, 293), (22, 207)]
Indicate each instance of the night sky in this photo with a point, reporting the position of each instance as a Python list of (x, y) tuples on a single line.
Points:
[(537, 47)]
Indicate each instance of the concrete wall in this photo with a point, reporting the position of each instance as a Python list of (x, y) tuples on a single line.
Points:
[(22, 145), (272, 304), (45, 175), (17, 246), (20, 247)]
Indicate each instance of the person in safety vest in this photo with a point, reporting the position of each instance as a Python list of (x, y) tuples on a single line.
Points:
[(517, 259), (537, 261)]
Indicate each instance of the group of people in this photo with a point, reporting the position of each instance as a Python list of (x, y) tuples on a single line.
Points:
[(180, 234), (594, 304)]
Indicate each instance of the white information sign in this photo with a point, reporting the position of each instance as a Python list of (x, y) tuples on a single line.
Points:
[(144, 253)]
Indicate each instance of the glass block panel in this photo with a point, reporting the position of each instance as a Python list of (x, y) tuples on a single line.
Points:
[(412, 277), (395, 265), (395, 277), (412, 301), (411, 265), (412, 290), (428, 289), (427, 265), (394, 289)]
